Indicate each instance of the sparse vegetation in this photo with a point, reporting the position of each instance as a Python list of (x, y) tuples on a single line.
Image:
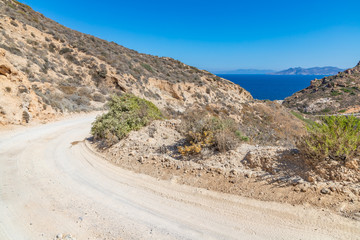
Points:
[(302, 118), (12, 49), (126, 113), (97, 97), (346, 90), (206, 131), (147, 67), (269, 123), (65, 50), (106, 68), (326, 110), (335, 93)]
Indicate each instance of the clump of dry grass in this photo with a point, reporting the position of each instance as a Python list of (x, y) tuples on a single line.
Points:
[(269, 123), (206, 131)]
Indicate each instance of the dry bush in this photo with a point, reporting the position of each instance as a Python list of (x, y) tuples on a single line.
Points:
[(226, 140), (98, 97), (269, 123), (26, 116), (67, 89), (85, 91), (206, 131), (199, 141)]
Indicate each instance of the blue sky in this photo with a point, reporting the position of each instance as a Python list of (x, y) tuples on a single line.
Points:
[(222, 35)]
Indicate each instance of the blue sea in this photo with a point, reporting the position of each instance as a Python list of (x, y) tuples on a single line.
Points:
[(271, 87)]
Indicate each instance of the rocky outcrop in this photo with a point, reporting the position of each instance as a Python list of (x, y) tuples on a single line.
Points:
[(334, 94)]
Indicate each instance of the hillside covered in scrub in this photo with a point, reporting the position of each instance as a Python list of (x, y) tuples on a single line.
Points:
[(334, 94), (47, 69), (46, 66)]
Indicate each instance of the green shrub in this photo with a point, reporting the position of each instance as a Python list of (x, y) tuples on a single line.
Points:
[(346, 90), (335, 93), (126, 113), (240, 136), (147, 67), (326, 110), (336, 138)]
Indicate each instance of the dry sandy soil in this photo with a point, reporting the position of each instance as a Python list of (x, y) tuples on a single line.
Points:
[(51, 183)]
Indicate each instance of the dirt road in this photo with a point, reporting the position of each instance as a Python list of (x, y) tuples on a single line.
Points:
[(51, 184)]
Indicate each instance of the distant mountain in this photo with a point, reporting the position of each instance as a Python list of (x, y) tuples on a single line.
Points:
[(245, 71), (310, 71)]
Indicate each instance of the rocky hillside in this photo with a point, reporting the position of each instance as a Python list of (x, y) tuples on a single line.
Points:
[(19, 103), (334, 94), (47, 69)]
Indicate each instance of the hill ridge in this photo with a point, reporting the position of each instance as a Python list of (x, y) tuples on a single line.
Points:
[(333, 94), (71, 71)]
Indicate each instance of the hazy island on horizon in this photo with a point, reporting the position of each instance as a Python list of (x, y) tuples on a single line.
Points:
[(245, 71), (327, 70)]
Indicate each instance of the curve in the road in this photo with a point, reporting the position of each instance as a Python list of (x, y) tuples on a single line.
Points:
[(50, 186)]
